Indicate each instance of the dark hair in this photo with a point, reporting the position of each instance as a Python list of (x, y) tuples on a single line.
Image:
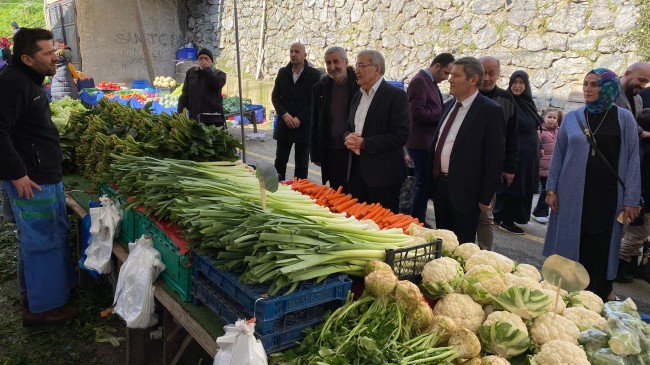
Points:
[(472, 67), (25, 41), (644, 119), (444, 59), (59, 40)]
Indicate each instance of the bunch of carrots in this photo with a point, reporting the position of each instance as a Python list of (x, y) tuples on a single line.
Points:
[(338, 202)]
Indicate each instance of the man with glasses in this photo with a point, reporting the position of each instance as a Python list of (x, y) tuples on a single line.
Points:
[(379, 127)]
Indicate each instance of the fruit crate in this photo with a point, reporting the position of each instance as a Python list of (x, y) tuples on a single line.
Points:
[(218, 302), (174, 254), (256, 302), (408, 262), (128, 226)]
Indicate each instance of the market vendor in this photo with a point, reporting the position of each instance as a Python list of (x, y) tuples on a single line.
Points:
[(202, 91), (30, 169)]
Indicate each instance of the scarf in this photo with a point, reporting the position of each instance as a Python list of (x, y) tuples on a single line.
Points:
[(609, 90)]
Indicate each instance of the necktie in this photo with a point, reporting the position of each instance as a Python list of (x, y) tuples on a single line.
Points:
[(443, 137)]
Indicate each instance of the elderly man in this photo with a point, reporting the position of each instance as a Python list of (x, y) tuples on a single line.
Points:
[(489, 88), (379, 127), (331, 99), (291, 99), (425, 104), (467, 155)]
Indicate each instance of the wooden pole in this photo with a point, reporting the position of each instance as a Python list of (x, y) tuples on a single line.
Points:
[(260, 49), (143, 39)]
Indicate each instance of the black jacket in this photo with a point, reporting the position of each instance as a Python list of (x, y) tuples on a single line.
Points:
[(507, 102), (320, 114), (202, 91), (29, 141), (295, 99)]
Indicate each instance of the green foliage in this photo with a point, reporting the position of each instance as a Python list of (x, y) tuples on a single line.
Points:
[(641, 33), (27, 13)]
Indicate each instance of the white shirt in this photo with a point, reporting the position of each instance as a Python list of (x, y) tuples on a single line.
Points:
[(364, 105), (296, 75), (453, 131)]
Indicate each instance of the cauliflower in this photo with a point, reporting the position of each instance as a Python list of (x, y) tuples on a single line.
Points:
[(546, 285), (483, 283), (494, 360), (584, 318), (441, 277), (521, 281), (377, 266), (551, 326), (528, 271), (555, 306), (472, 361), (504, 334), (462, 310), (498, 261), (449, 239), (557, 352), (587, 300), (464, 251), (525, 302)]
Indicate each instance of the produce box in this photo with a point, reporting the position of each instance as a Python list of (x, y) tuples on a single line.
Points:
[(287, 333), (174, 254), (408, 262), (255, 301)]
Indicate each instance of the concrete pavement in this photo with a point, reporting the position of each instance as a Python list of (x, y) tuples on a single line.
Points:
[(521, 248)]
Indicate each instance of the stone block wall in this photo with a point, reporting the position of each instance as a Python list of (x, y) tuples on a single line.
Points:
[(556, 41)]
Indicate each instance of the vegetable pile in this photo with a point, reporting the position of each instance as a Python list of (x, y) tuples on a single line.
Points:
[(231, 104), (109, 85), (61, 111)]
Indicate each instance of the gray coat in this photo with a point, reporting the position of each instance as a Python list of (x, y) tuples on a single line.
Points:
[(62, 82)]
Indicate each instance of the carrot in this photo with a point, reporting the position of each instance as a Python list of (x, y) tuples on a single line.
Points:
[(340, 189), (357, 208), (341, 200), (375, 212), (333, 196), (347, 205)]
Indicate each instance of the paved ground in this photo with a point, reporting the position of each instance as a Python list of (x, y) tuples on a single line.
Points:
[(521, 248)]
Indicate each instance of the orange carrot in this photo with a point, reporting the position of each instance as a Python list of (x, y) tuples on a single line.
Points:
[(348, 204)]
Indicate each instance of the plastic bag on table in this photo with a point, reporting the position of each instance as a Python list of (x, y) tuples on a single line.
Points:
[(238, 346), (105, 221), (134, 300)]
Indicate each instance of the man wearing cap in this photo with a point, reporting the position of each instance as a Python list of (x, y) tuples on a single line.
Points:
[(201, 94)]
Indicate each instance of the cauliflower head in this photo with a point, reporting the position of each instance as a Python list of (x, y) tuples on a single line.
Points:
[(464, 251), (504, 334), (507, 317), (551, 326), (584, 318), (558, 352), (522, 281), (586, 299), (498, 261), (449, 240), (529, 271), (441, 277), (483, 283), (462, 310), (554, 306), (494, 360)]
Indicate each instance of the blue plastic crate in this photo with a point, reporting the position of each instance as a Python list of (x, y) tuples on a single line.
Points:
[(399, 84), (206, 293), (308, 294), (260, 114), (186, 54)]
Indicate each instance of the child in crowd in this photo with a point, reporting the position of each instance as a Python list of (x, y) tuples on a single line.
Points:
[(552, 118)]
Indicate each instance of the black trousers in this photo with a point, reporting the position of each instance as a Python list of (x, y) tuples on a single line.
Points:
[(387, 196), (282, 152), (594, 253), (541, 209), (463, 224), (335, 169)]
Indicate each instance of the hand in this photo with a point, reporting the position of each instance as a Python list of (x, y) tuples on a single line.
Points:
[(25, 187), (644, 135), (203, 64), (353, 142), (551, 201), (541, 153), (288, 120), (630, 213), (296, 122), (485, 208), (507, 178)]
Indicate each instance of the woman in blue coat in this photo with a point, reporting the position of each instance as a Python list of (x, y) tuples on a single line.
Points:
[(584, 194)]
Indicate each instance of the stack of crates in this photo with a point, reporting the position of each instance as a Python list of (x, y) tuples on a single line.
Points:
[(280, 320)]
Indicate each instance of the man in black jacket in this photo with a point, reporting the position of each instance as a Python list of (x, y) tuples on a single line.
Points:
[(202, 91), (291, 99), (329, 113), (30, 169)]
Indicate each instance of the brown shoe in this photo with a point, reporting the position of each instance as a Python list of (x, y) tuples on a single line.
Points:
[(53, 316)]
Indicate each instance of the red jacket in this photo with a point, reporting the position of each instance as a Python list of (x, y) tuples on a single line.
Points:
[(548, 143)]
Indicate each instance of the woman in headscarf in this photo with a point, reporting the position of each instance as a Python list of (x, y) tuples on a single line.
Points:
[(514, 202), (584, 194), (63, 81)]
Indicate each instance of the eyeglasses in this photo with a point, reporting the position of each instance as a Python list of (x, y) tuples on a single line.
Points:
[(363, 65)]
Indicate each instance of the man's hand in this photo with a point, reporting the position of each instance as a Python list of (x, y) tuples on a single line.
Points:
[(288, 120), (24, 185), (551, 201), (644, 135), (353, 142), (485, 208), (296, 122), (507, 178), (630, 213), (203, 64)]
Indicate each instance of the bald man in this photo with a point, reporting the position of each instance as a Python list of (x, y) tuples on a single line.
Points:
[(635, 78), (291, 99)]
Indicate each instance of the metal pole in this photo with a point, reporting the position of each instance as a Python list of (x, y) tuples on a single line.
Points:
[(241, 104), (143, 39)]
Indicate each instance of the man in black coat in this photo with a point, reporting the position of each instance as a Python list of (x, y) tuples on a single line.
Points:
[(379, 127), (331, 99), (468, 152), (202, 91), (291, 99)]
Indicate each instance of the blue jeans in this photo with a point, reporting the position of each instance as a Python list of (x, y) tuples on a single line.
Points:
[(420, 198)]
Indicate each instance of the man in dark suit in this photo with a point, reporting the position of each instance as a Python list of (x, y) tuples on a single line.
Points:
[(467, 154), (379, 127), (291, 99), (425, 105)]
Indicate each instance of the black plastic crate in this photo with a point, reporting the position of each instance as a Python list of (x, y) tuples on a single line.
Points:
[(408, 262)]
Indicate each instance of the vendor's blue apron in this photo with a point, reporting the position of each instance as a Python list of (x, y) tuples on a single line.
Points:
[(43, 225)]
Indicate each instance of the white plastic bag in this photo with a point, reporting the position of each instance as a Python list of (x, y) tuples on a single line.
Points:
[(134, 300), (238, 346), (105, 221)]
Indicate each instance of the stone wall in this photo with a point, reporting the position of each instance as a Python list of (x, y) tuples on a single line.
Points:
[(555, 41)]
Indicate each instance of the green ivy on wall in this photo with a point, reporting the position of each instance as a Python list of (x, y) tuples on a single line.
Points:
[(641, 33)]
